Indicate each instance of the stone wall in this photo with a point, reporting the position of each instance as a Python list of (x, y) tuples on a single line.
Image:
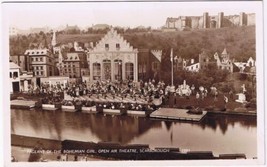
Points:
[(251, 19), (207, 21)]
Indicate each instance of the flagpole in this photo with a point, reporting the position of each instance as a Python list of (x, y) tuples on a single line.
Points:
[(172, 64)]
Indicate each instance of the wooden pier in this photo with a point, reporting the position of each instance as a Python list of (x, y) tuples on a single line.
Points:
[(22, 104), (177, 114)]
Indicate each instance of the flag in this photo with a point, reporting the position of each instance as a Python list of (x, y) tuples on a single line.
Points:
[(157, 54), (171, 55)]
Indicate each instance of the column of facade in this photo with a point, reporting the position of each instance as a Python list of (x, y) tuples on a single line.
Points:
[(102, 70), (25, 85), (112, 68), (135, 68), (91, 71), (123, 68)]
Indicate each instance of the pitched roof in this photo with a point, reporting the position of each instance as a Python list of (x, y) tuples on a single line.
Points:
[(224, 52), (12, 65), (72, 57), (36, 52)]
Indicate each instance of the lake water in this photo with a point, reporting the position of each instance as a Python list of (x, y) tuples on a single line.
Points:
[(217, 133)]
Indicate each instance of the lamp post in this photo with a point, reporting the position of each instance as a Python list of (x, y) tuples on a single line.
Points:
[(172, 88)]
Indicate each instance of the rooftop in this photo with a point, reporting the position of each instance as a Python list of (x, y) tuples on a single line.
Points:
[(12, 65), (36, 52)]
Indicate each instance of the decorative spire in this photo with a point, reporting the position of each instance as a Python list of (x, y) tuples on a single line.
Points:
[(224, 52), (54, 42)]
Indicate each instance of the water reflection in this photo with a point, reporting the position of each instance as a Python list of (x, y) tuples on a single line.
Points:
[(224, 121), (62, 125), (218, 133)]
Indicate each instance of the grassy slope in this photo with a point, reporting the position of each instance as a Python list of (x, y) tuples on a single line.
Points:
[(239, 41)]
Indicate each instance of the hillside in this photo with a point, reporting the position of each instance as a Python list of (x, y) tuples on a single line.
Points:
[(239, 41)]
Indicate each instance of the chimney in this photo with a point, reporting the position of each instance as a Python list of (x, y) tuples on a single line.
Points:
[(192, 61)]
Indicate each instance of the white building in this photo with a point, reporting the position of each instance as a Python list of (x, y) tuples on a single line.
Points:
[(14, 77), (113, 59), (191, 66), (251, 62), (55, 80)]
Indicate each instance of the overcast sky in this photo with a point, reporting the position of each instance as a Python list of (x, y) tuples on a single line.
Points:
[(26, 15)]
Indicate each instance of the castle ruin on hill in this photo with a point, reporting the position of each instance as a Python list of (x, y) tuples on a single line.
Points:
[(207, 21)]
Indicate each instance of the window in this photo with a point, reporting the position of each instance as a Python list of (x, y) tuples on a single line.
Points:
[(41, 67), (32, 59), (37, 68), (73, 65), (41, 72), (10, 75), (117, 46), (37, 72), (107, 46), (96, 71), (41, 59), (129, 70), (36, 59), (118, 69), (144, 68)]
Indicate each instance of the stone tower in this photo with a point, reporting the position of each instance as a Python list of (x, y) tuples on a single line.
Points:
[(220, 20), (205, 20), (242, 19)]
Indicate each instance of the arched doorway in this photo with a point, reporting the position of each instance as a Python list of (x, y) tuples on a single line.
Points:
[(96, 71), (106, 69), (129, 71)]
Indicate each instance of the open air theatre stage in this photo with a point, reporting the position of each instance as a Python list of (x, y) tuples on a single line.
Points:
[(161, 113)]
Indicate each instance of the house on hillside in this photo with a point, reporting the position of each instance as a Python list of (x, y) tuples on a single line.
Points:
[(246, 67), (204, 60), (192, 65), (223, 61)]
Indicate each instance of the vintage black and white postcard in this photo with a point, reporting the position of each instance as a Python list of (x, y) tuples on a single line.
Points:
[(163, 83)]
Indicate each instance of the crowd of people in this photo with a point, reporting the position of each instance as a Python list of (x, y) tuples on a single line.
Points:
[(141, 95)]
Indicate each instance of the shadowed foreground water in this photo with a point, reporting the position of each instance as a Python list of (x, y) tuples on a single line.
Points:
[(220, 134)]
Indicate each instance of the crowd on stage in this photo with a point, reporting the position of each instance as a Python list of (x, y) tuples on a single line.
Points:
[(154, 94)]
